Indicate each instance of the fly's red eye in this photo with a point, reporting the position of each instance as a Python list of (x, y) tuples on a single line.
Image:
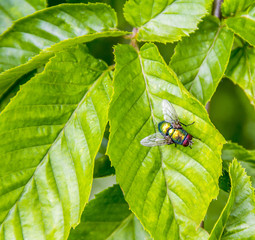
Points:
[(189, 137)]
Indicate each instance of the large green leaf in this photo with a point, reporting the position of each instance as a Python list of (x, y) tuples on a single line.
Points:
[(201, 60), (231, 7), (241, 70), (238, 217), (31, 41), (165, 20), (108, 217), (52, 131), (243, 24), (168, 188), (244, 156), (12, 10)]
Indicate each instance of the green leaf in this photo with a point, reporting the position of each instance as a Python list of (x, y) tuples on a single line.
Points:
[(231, 7), (165, 20), (201, 60), (31, 41), (52, 131), (243, 25), (168, 188), (244, 156), (238, 217), (12, 91), (241, 70), (15, 9), (108, 217), (103, 167), (102, 162)]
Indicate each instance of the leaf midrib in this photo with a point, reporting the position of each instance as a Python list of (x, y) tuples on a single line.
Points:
[(57, 138), (153, 119)]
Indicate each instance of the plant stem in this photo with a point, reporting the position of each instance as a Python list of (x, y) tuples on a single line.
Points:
[(217, 8), (216, 13)]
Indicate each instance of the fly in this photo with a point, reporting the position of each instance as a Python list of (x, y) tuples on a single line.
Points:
[(170, 130)]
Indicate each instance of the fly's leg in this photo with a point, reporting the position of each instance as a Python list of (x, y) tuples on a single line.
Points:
[(187, 124)]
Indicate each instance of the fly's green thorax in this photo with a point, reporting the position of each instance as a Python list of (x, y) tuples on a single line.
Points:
[(164, 127)]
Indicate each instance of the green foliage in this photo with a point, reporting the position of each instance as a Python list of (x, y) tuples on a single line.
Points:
[(50, 146), (243, 25), (15, 9), (244, 156), (102, 162), (165, 20), (232, 7), (154, 179), (32, 40), (201, 60), (238, 217), (67, 117), (241, 70), (108, 217)]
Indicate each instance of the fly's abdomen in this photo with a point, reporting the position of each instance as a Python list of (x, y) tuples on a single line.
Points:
[(178, 135), (164, 127)]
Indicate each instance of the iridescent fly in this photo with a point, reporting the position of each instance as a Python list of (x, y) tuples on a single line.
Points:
[(170, 130)]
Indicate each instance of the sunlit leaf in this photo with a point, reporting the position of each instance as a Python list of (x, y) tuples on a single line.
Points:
[(165, 20), (108, 217), (243, 25), (238, 217), (12, 10), (231, 7), (244, 156), (32, 40), (168, 188), (241, 70), (52, 131), (201, 60)]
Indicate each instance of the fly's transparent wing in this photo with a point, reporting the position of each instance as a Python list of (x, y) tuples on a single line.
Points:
[(169, 112), (153, 140)]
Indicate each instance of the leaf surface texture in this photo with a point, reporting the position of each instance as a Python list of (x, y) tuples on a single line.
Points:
[(243, 24), (169, 189), (52, 131), (32, 40), (231, 7), (241, 70), (244, 156), (238, 217), (165, 20), (201, 60), (12, 10)]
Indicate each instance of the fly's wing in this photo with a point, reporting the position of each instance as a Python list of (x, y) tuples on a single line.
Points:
[(153, 140), (169, 113)]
